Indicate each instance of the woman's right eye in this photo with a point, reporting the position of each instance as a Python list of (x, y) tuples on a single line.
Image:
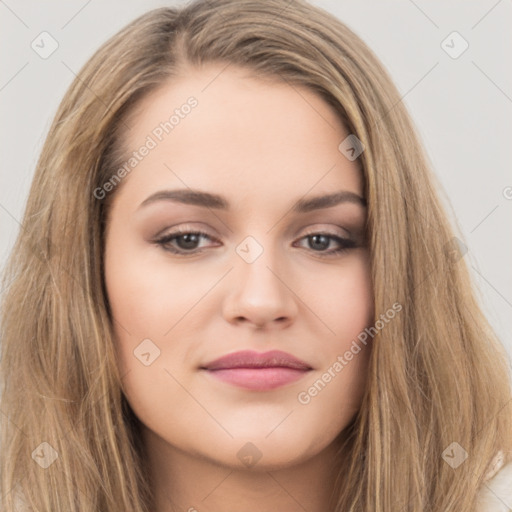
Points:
[(185, 238)]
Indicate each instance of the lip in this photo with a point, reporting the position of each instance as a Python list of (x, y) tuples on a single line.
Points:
[(258, 371)]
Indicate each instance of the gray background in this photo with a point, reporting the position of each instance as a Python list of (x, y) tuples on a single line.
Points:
[(462, 106)]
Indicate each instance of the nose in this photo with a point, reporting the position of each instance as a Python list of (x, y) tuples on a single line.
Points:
[(261, 294)]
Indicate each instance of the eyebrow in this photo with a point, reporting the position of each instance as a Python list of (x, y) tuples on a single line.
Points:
[(215, 201)]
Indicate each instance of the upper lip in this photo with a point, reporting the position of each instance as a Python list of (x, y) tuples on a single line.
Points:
[(252, 359)]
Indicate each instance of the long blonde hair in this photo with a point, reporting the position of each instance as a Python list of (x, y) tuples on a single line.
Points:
[(437, 374)]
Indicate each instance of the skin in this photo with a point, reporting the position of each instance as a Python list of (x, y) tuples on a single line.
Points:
[(263, 145)]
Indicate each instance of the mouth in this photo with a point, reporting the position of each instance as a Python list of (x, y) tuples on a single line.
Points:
[(257, 371)]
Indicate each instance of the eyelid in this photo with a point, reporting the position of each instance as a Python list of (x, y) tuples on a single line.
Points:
[(327, 231), (183, 229), (188, 228)]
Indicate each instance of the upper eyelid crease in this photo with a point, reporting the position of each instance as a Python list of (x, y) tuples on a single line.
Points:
[(215, 201), (187, 229), (166, 238)]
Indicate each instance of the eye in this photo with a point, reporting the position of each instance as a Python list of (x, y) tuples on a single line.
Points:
[(320, 241), (185, 239), (184, 242)]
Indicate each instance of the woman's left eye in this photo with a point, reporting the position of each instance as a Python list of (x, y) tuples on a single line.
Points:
[(186, 242)]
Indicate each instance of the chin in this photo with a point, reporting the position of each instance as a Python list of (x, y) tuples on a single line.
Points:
[(258, 451)]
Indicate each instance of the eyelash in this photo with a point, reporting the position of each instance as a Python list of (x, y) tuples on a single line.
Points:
[(164, 241)]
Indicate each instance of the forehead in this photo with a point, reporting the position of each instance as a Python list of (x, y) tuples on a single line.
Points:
[(245, 137)]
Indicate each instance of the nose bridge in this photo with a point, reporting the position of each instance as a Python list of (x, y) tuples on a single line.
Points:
[(259, 262), (259, 293)]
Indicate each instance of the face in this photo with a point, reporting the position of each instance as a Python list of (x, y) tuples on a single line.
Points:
[(255, 267)]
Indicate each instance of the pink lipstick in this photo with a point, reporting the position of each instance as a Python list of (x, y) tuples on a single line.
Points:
[(258, 371)]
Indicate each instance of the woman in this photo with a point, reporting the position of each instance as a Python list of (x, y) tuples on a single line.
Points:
[(321, 349)]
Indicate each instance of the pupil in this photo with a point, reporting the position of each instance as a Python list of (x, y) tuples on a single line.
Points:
[(190, 240), (323, 244)]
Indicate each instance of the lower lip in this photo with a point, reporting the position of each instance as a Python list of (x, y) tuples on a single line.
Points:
[(259, 379)]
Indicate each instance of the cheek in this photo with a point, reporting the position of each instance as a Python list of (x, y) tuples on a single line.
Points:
[(335, 391), (134, 297), (153, 303), (146, 297), (343, 300), (139, 299)]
